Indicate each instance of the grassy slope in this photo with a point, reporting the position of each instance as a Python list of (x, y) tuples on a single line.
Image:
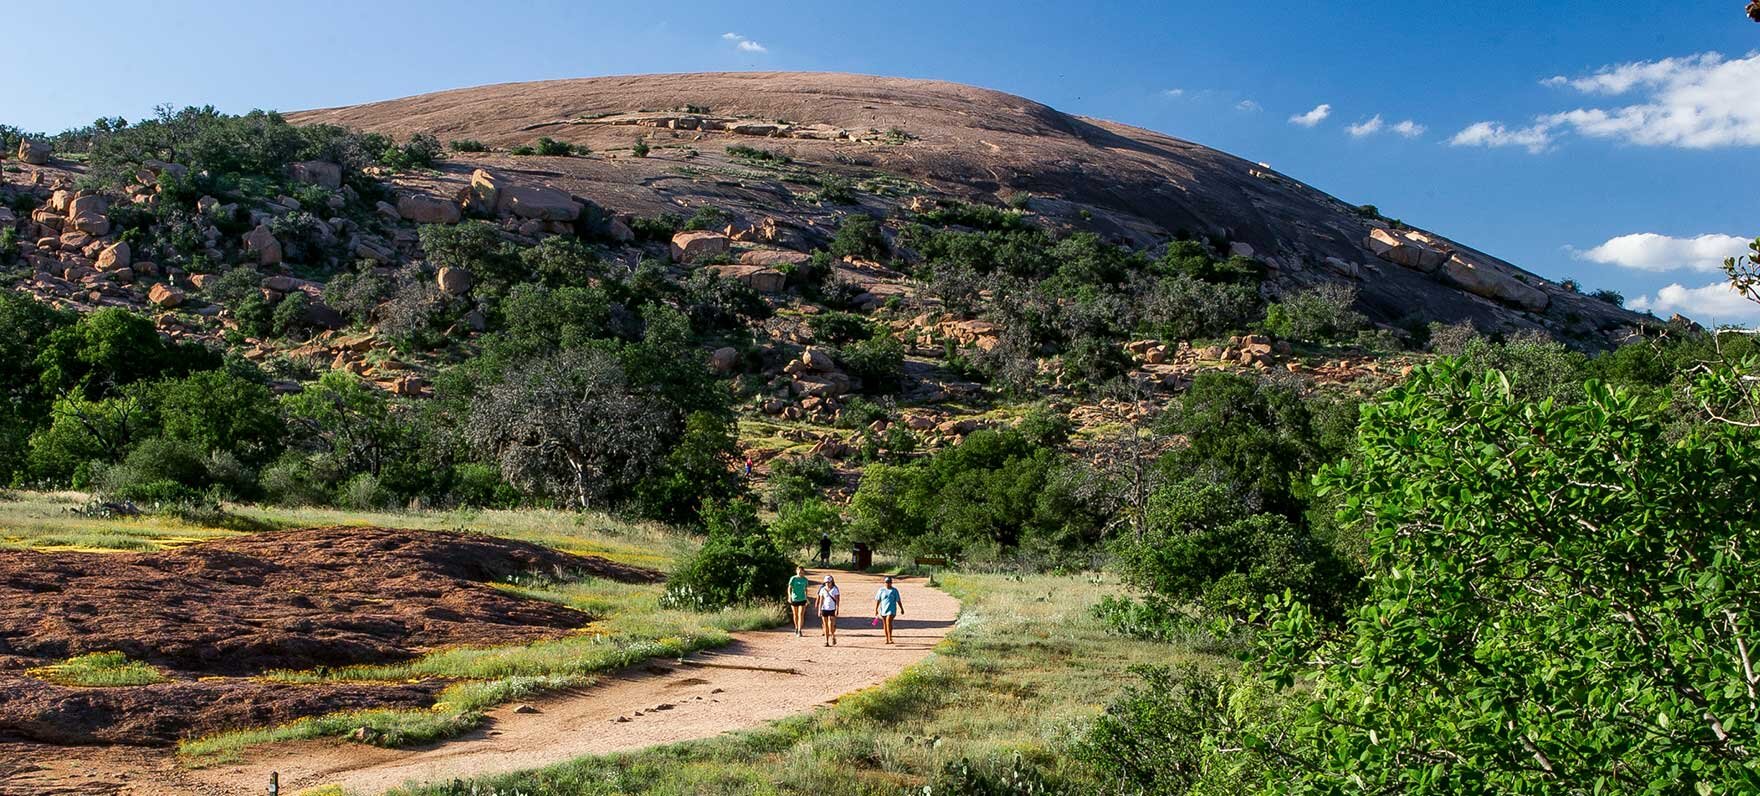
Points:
[(1022, 672)]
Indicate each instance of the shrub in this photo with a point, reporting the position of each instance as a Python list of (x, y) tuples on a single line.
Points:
[(708, 217), (162, 471), (737, 565), (878, 361), (837, 328), (640, 149), (467, 145), (1610, 296), (794, 479), (798, 525), (1319, 314), (551, 147), (758, 156), (859, 236)]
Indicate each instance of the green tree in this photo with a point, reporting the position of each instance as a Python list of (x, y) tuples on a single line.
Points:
[(859, 236), (1563, 600), (111, 348), (738, 563), (218, 411)]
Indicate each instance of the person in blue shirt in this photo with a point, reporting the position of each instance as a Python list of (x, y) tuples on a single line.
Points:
[(888, 603)]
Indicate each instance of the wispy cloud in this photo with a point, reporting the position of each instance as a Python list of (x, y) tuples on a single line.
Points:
[(1247, 105), (1408, 128), (1716, 303), (1363, 128), (1313, 117), (1405, 128), (1702, 101), (744, 43), (1173, 93), (1649, 251), (1535, 139)]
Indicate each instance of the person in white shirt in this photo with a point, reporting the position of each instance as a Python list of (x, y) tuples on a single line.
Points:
[(829, 595)]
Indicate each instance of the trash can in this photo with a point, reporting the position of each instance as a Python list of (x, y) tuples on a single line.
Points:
[(861, 557)]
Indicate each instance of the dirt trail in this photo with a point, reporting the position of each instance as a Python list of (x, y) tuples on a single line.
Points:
[(761, 676)]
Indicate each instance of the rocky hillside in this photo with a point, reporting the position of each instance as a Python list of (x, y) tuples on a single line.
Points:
[(907, 140)]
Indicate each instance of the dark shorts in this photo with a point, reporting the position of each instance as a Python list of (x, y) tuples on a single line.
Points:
[(797, 603), (824, 612)]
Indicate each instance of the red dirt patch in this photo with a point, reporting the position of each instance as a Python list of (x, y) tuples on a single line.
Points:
[(283, 600)]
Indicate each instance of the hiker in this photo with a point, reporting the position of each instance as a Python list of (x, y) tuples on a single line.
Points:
[(824, 548), (829, 595), (797, 597), (748, 467), (887, 604)]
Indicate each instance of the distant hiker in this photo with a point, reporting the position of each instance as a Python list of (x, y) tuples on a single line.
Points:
[(887, 604), (748, 467), (829, 595), (824, 548), (797, 597)]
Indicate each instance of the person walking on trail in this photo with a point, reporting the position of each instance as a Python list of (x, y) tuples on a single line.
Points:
[(797, 598), (887, 604), (824, 548), (829, 596)]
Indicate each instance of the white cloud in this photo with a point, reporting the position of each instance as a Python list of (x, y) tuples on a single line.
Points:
[(1713, 304), (1313, 117), (1370, 127), (745, 44), (1375, 124), (1493, 134), (1246, 105), (1699, 101), (1649, 251), (1409, 129), (1173, 93)]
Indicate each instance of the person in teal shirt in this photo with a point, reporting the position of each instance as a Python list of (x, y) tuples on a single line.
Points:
[(887, 604), (797, 597)]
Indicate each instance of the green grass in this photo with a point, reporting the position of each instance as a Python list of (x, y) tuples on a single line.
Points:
[(1023, 672), (98, 670), (634, 628)]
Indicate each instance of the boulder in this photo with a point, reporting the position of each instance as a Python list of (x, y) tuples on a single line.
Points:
[(690, 247), (321, 173), (424, 209), (619, 231), (87, 204), (262, 242), (774, 257), (454, 281), (537, 202), (815, 358), (756, 277), (1239, 249), (114, 256), (1411, 250), (165, 296), (724, 359), (483, 196), (1485, 279), (35, 153)]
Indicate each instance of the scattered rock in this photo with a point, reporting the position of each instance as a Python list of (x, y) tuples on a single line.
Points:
[(114, 256), (1411, 250), (262, 242), (454, 281), (536, 202), (34, 152), (1486, 280), (724, 359), (321, 173), (756, 277), (165, 296)]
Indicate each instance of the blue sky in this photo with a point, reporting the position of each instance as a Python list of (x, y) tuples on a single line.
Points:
[(1611, 143)]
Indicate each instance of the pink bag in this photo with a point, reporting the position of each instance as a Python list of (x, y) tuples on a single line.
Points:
[(875, 623)]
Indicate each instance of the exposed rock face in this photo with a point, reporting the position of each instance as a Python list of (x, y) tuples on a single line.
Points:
[(1484, 279), (691, 247), (970, 144), (773, 257), (483, 195), (424, 209)]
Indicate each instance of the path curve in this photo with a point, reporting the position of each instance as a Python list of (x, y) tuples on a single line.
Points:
[(762, 676)]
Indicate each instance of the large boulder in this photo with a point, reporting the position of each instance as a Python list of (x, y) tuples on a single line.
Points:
[(774, 257), (1411, 250), (35, 153), (816, 359), (262, 242), (756, 277), (115, 256), (454, 281), (1484, 279), (424, 209), (321, 173), (536, 202), (86, 204), (691, 247), (724, 359), (483, 196), (165, 296)]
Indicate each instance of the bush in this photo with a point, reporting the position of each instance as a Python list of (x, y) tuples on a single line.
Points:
[(640, 149), (859, 236), (550, 147), (794, 479), (1610, 296), (467, 145), (1187, 731), (708, 217), (1320, 314), (798, 525), (756, 156), (159, 471), (738, 565), (837, 328), (877, 361)]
